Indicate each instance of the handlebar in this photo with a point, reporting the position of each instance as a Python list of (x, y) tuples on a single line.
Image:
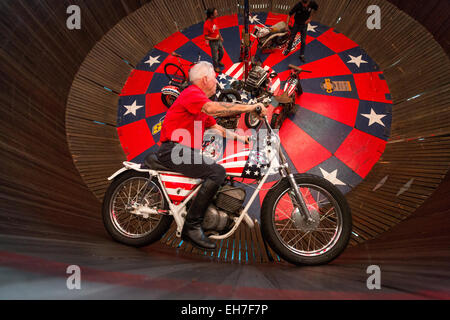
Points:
[(291, 66)]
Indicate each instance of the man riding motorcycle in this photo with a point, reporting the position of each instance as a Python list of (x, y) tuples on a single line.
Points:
[(182, 135)]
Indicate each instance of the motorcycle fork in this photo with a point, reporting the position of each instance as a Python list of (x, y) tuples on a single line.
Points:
[(297, 200)]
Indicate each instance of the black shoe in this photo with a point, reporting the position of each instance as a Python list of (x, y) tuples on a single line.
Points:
[(194, 234), (302, 58), (192, 230)]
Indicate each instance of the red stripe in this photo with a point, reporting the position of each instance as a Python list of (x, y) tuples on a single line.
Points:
[(172, 175), (234, 170), (177, 199), (176, 185)]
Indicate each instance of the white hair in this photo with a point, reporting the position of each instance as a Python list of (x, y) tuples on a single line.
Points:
[(200, 70)]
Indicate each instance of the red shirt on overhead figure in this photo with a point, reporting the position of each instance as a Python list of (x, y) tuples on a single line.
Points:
[(211, 29)]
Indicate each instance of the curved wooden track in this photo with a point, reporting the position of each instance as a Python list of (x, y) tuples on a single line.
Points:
[(59, 96)]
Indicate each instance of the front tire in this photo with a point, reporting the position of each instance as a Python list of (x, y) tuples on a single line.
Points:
[(122, 224), (294, 240)]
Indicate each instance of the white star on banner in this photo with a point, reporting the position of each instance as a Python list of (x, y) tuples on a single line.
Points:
[(312, 28), (222, 76), (248, 172), (374, 118), (332, 177), (221, 85), (356, 60), (132, 108), (153, 60), (254, 18)]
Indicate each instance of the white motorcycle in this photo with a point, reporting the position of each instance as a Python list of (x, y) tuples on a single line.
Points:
[(304, 218)]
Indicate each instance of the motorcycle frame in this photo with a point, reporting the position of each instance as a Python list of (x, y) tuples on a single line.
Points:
[(179, 211)]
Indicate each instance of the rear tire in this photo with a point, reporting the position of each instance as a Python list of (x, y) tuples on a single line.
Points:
[(335, 210), (128, 228)]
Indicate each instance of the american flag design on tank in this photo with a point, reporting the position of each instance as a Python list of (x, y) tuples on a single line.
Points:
[(248, 164)]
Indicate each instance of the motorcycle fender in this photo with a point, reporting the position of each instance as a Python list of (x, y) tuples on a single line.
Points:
[(117, 173), (171, 90)]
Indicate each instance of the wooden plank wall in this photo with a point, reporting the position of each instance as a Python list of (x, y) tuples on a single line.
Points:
[(41, 193), (46, 67)]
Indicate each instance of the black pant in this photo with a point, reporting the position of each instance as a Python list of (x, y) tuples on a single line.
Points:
[(195, 166), (302, 28), (216, 52)]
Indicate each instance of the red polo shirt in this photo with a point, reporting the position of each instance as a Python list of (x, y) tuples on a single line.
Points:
[(210, 28), (185, 122)]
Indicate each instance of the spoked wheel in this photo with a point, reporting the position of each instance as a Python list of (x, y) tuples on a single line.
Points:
[(229, 95), (174, 73), (122, 209), (299, 241), (252, 121)]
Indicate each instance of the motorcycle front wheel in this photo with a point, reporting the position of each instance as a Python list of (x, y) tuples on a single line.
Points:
[(296, 240), (128, 191)]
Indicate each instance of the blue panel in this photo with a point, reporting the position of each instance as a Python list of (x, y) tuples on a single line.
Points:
[(153, 124), (159, 81), (190, 52), (124, 119), (343, 173), (366, 65), (158, 55), (329, 133), (231, 42), (193, 31), (382, 112)]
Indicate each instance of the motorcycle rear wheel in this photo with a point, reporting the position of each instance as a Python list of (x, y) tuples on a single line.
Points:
[(291, 237), (122, 224)]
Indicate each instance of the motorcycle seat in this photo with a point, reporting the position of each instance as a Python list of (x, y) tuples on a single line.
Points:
[(152, 162), (279, 27)]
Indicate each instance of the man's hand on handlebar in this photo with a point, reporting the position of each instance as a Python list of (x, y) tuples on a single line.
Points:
[(261, 111)]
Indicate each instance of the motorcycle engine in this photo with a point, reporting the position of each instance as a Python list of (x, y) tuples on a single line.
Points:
[(228, 201), (256, 78)]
